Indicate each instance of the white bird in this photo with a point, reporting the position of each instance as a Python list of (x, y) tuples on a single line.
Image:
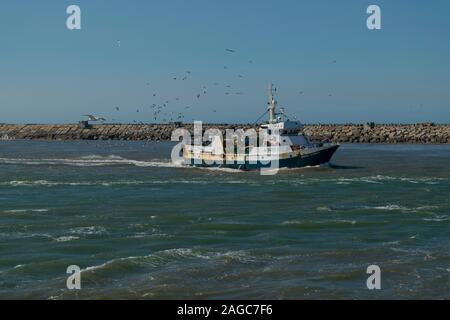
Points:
[(94, 118)]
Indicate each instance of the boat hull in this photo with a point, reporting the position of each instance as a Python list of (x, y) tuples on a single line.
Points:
[(321, 156)]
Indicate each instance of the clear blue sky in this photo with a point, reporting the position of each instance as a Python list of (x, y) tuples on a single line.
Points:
[(49, 74)]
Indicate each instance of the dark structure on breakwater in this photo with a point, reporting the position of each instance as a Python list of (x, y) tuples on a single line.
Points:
[(354, 133)]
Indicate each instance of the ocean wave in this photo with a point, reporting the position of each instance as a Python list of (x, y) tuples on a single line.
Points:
[(437, 219), (115, 160), (379, 179), (304, 168), (389, 207), (140, 235), (92, 161), (396, 207), (98, 157), (246, 181), (46, 183), (375, 180), (66, 238), (91, 230), (74, 234), (168, 256), (24, 211), (414, 180), (221, 169), (311, 223), (19, 266), (103, 183), (324, 208), (23, 235)]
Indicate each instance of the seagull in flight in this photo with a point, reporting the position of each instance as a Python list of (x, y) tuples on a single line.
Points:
[(93, 118)]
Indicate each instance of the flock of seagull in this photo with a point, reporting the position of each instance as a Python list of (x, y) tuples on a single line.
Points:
[(160, 111)]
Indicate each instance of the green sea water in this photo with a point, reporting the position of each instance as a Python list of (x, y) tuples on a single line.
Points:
[(140, 227)]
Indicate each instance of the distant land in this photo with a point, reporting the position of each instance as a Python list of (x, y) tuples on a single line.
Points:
[(343, 133)]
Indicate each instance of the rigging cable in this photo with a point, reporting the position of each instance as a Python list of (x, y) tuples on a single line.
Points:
[(260, 117)]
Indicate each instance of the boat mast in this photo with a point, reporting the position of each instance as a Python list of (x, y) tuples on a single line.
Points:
[(272, 103)]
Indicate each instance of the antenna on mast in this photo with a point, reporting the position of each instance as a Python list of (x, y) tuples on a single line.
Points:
[(272, 103)]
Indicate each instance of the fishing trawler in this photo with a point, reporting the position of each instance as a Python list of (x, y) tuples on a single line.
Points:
[(284, 143)]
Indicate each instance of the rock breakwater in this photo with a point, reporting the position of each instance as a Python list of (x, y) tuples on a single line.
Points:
[(352, 133)]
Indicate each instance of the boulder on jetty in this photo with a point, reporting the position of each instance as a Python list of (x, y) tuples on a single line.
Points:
[(343, 133), (381, 133)]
